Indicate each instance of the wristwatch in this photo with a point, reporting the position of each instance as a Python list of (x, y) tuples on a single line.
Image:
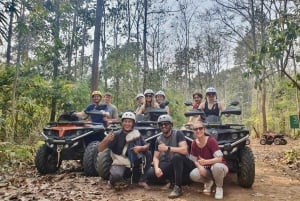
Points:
[(169, 149)]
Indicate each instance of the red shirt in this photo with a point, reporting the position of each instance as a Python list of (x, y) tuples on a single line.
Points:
[(207, 152)]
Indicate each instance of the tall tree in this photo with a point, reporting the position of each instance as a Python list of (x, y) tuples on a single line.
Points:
[(96, 46), (12, 10)]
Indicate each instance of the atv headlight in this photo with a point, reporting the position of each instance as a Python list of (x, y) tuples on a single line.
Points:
[(242, 135), (234, 136), (148, 133), (215, 133), (50, 132), (78, 132)]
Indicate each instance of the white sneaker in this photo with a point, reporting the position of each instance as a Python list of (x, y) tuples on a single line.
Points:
[(207, 186), (219, 193)]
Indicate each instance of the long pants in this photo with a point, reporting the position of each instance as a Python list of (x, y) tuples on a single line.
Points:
[(216, 172), (117, 172), (176, 171)]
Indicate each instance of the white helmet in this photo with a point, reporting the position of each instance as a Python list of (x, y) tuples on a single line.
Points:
[(160, 93), (139, 95), (149, 91), (128, 115), (165, 118), (211, 90)]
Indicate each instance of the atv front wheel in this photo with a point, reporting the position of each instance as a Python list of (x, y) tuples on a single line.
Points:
[(263, 141), (46, 160), (246, 172), (90, 158), (283, 141), (104, 162)]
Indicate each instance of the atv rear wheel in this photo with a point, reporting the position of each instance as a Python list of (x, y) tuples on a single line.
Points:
[(90, 159), (46, 160), (277, 141), (104, 162), (263, 141), (246, 172)]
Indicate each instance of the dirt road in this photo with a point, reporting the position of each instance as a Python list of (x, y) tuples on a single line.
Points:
[(274, 181)]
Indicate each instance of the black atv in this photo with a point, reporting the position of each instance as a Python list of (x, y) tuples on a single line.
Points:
[(70, 139), (232, 139), (149, 130)]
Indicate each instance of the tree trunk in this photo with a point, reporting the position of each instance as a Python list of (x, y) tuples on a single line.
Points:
[(71, 43), (146, 67), (10, 32), (96, 50), (56, 57)]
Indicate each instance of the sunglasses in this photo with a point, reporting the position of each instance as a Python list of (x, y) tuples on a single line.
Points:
[(198, 128), (210, 94), (163, 124), (149, 95)]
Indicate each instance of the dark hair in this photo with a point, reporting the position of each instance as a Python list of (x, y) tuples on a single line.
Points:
[(197, 94)]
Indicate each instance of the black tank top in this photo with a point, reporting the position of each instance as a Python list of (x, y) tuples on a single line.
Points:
[(213, 111)]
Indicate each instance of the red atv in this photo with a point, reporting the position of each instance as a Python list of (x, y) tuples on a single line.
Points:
[(272, 137)]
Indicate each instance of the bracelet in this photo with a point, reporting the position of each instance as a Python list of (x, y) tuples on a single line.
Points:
[(169, 149)]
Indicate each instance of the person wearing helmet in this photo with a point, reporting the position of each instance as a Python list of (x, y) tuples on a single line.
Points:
[(128, 151), (160, 97), (150, 103), (211, 106), (170, 161), (140, 99), (95, 105)]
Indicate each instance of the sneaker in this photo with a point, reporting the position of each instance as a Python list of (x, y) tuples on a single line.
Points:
[(109, 185), (219, 193), (177, 192), (207, 186), (168, 186), (144, 185)]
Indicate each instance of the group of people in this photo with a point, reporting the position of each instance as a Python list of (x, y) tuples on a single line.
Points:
[(145, 102), (109, 110), (171, 161)]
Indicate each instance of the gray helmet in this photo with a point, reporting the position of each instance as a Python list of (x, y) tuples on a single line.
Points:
[(128, 115), (165, 118), (160, 93), (148, 91), (139, 95), (211, 90)]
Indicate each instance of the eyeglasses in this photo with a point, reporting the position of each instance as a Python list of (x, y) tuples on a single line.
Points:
[(210, 94), (198, 128), (163, 124), (148, 95)]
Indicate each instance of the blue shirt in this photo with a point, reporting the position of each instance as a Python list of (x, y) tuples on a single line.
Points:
[(96, 118)]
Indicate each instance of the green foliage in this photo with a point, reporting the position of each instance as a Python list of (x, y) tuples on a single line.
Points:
[(291, 156), (13, 155)]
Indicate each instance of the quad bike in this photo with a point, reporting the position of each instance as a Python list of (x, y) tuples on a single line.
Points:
[(271, 137), (70, 139), (149, 131), (232, 139)]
